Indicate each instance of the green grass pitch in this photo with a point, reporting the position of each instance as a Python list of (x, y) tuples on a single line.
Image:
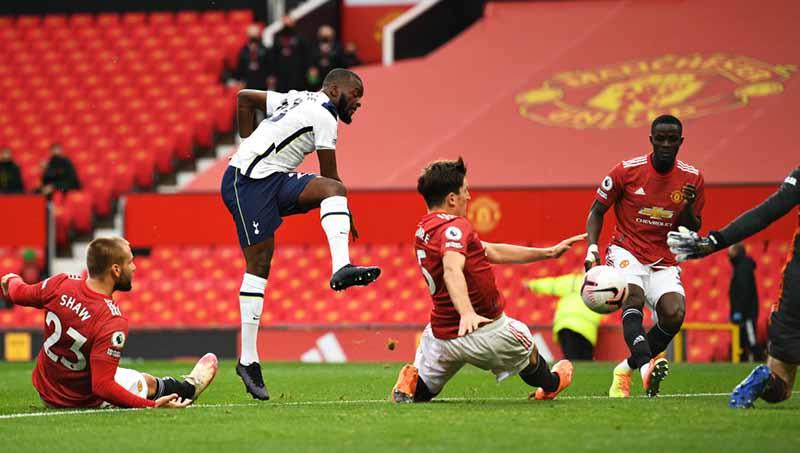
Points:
[(345, 408)]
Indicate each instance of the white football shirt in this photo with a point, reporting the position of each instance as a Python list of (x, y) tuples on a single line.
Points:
[(297, 123)]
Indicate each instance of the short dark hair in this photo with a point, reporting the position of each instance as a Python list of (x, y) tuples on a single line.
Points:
[(667, 119), (440, 179), (339, 75), (104, 252)]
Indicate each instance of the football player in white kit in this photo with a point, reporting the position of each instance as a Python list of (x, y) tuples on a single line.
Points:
[(261, 186)]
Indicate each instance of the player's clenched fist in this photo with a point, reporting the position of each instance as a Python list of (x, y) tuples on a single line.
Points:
[(592, 257), (4, 283), (689, 192)]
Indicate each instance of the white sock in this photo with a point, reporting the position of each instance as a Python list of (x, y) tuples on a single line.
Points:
[(623, 366), (335, 220), (251, 302)]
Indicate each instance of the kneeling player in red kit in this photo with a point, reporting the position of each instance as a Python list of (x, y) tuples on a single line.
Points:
[(467, 321), (85, 333)]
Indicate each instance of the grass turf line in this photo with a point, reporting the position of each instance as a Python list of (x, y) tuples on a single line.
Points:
[(340, 407)]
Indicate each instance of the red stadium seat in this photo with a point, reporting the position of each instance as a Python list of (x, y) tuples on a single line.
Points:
[(132, 19), (54, 21), (79, 206), (28, 21), (240, 17), (81, 20), (213, 17), (159, 19), (107, 20), (187, 18)]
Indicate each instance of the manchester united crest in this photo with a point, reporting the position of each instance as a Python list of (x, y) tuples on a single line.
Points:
[(484, 213), (631, 94)]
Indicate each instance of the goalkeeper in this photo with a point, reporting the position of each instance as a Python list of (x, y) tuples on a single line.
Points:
[(771, 382)]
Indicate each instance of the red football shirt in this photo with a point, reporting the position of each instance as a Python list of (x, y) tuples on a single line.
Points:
[(84, 333), (437, 233), (648, 205)]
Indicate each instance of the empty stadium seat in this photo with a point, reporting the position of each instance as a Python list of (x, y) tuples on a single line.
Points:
[(79, 79)]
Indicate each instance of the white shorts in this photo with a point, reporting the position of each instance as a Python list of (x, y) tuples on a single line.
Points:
[(655, 280), (132, 381), (504, 347)]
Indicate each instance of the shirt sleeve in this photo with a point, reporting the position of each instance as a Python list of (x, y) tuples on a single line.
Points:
[(274, 100), (611, 187), (104, 360), (325, 130), (35, 295), (770, 210), (455, 236)]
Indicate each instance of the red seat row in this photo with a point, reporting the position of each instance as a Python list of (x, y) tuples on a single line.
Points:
[(127, 95)]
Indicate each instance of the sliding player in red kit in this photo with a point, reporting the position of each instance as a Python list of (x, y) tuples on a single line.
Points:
[(85, 333)]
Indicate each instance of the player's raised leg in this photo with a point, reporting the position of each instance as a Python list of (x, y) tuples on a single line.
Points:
[(331, 197)]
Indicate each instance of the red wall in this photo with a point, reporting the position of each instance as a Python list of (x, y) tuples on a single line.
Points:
[(363, 22), (23, 220), (538, 215), (359, 344)]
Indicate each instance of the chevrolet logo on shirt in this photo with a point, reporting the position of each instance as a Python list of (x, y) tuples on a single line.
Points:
[(656, 213)]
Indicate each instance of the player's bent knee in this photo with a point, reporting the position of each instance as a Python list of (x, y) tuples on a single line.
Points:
[(671, 313), (258, 269), (633, 301), (335, 188)]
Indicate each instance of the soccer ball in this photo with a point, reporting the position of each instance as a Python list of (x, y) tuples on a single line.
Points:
[(604, 289)]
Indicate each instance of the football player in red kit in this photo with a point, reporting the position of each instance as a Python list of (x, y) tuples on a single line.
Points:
[(652, 195), (85, 333), (467, 324)]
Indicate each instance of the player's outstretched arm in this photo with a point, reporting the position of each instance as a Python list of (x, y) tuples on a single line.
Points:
[(760, 217), (247, 102), (20, 293), (687, 244), (594, 225), (517, 254), (457, 288)]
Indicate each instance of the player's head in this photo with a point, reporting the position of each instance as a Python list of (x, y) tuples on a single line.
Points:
[(55, 149), (735, 250), (111, 258), (5, 154), (666, 136), (443, 185), (345, 89)]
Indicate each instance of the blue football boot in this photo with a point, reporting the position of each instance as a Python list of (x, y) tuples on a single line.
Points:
[(750, 388)]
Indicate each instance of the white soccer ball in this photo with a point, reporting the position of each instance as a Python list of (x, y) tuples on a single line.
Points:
[(604, 289)]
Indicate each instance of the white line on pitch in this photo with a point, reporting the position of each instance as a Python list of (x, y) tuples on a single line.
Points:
[(54, 413)]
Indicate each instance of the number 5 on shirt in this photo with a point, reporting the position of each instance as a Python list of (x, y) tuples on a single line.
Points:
[(428, 278)]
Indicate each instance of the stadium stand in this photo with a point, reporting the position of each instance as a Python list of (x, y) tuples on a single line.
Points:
[(197, 287), (126, 95)]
